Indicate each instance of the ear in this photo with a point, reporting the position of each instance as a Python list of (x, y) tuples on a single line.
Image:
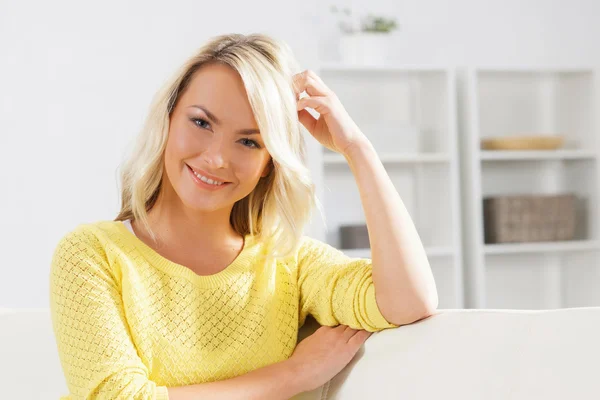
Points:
[(268, 168)]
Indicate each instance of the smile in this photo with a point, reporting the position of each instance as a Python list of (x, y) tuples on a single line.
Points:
[(201, 179)]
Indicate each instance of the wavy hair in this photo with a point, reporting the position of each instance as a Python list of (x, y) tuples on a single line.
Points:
[(281, 204)]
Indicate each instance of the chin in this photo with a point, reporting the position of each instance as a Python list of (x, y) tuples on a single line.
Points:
[(206, 201), (204, 206)]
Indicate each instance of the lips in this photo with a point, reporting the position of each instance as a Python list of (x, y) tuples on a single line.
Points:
[(214, 178)]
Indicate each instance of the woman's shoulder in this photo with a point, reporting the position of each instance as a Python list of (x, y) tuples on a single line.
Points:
[(311, 245), (90, 233), (82, 249), (309, 250)]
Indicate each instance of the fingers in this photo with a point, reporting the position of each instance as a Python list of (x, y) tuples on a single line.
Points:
[(307, 120), (360, 338), (320, 104), (348, 333), (310, 82), (353, 336)]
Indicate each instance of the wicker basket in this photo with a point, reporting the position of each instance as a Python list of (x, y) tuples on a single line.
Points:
[(529, 218), (531, 142)]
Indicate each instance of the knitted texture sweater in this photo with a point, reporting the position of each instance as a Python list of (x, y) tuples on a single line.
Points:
[(129, 323)]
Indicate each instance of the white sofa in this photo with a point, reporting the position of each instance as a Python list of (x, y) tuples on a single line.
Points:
[(455, 354)]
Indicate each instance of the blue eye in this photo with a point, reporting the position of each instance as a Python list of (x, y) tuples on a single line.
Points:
[(203, 124), (200, 120), (252, 143)]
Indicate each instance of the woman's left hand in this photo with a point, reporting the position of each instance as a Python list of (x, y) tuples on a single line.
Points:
[(334, 128)]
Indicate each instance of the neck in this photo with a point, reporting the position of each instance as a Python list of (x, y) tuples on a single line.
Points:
[(179, 227)]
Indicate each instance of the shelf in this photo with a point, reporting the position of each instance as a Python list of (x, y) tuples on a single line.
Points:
[(432, 251), (408, 113), (341, 67), (536, 69), (542, 247), (500, 102), (392, 158), (532, 155)]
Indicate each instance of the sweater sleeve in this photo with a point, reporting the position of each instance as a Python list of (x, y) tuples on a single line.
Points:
[(336, 289), (97, 354)]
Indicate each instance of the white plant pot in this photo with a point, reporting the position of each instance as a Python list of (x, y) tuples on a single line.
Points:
[(365, 48)]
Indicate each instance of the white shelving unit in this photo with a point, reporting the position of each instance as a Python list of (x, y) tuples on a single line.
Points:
[(409, 114), (497, 102)]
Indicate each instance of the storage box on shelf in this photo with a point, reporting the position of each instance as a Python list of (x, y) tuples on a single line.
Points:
[(409, 114), (503, 105), (510, 219)]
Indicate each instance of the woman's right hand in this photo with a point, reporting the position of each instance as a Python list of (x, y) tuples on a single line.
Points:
[(322, 355)]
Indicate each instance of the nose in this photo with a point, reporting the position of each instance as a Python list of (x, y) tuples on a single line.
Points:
[(214, 155)]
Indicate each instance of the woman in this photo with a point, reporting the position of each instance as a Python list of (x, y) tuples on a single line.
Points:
[(200, 284)]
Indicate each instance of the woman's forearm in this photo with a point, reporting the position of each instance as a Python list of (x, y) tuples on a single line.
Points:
[(404, 283), (273, 382)]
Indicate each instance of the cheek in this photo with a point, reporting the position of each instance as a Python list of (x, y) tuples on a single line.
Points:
[(249, 166), (182, 139), (182, 143)]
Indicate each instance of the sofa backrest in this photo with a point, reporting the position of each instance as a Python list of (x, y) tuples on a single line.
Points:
[(29, 363), (479, 354)]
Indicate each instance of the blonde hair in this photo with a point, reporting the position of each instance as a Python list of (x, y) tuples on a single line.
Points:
[(281, 204)]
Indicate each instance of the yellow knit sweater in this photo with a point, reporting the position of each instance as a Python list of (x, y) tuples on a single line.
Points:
[(129, 323)]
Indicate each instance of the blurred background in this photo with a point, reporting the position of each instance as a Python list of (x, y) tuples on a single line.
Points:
[(485, 114)]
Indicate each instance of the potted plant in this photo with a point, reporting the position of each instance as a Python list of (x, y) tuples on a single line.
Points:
[(365, 39)]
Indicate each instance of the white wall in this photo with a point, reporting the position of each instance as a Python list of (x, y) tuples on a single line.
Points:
[(494, 32), (76, 79)]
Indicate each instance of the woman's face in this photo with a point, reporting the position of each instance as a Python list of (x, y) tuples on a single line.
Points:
[(213, 133)]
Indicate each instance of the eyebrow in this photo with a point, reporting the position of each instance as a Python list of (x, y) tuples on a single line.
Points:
[(217, 121)]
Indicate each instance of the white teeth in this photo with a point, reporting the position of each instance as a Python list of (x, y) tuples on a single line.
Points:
[(207, 180)]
